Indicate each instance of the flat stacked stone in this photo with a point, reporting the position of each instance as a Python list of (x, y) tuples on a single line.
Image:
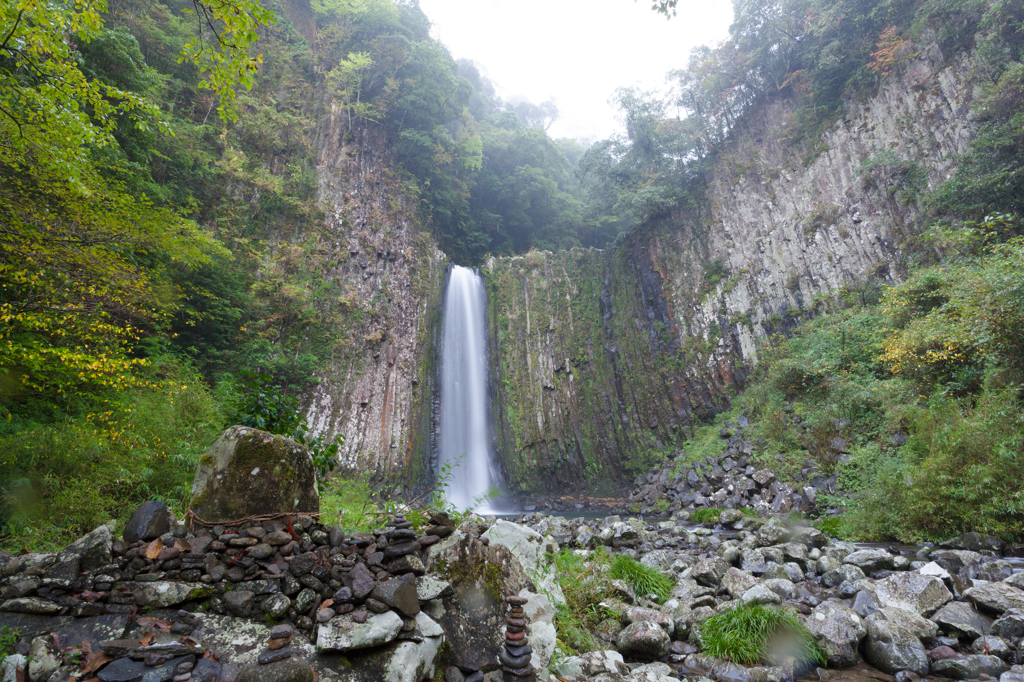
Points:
[(515, 659)]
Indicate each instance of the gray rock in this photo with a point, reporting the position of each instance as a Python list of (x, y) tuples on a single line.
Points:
[(305, 600), (32, 605), (782, 587), (969, 667), (962, 619), (149, 521), (893, 642), (996, 597), (1009, 626), (362, 581), (10, 666), (1014, 674), (276, 605), (410, 563), (644, 639), (709, 571), (838, 631), (399, 594), (846, 573), (759, 594), (870, 560), (990, 644), (342, 636), (976, 542), (43, 659), (912, 592), (1017, 580), (736, 582), (163, 594), (429, 587), (92, 550), (288, 670), (240, 602), (249, 472), (864, 603), (636, 614)]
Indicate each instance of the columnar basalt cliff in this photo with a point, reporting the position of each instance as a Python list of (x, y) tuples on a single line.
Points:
[(377, 392), (601, 357)]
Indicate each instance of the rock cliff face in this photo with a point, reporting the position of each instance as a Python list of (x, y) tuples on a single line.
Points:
[(600, 358), (378, 391)]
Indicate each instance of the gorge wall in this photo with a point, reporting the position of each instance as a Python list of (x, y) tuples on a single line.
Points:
[(378, 391), (600, 358)]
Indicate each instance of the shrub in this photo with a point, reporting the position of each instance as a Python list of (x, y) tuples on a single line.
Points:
[(749, 634), (61, 481), (960, 471)]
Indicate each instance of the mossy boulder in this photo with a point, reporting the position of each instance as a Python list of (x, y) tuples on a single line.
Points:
[(249, 472)]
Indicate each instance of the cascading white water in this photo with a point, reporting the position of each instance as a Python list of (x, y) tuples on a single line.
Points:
[(464, 442)]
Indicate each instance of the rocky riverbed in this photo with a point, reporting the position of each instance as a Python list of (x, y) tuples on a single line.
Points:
[(284, 597), (304, 599)]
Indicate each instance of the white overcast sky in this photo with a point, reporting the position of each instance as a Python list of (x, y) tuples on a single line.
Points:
[(576, 52)]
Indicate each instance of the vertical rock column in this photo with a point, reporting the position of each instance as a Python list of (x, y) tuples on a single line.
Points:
[(515, 659)]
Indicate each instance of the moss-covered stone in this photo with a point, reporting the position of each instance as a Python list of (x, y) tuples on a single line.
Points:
[(249, 472)]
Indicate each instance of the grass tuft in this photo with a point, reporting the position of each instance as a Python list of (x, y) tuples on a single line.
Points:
[(706, 515), (643, 579), (749, 634)]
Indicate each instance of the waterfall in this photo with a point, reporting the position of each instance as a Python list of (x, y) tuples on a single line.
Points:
[(464, 439)]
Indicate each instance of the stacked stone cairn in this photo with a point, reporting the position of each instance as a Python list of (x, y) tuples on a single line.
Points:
[(515, 659)]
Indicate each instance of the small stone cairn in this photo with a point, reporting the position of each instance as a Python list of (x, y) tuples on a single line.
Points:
[(515, 659)]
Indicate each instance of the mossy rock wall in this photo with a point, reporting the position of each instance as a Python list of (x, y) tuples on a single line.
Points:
[(601, 360)]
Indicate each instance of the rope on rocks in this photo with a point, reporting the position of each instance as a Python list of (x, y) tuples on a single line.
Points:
[(258, 518)]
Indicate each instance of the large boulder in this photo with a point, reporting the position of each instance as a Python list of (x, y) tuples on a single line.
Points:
[(894, 641), (527, 545), (912, 592), (838, 630), (249, 472), (472, 615)]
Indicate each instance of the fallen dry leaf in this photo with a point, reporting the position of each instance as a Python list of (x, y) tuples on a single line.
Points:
[(327, 603), (153, 548), (209, 654), (95, 662), (182, 545), (90, 597), (147, 639), (159, 623)]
